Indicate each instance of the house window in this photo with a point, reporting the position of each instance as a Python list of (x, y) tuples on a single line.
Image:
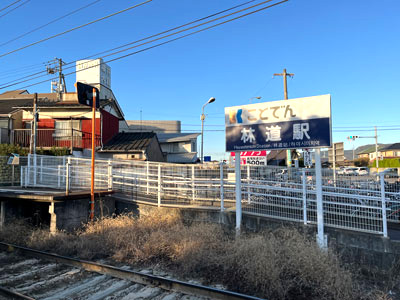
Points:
[(63, 128), (4, 123)]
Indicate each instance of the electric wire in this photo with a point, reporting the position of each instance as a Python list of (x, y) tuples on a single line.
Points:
[(130, 43), (23, 67), (11, 4), (14, 8), (169, 41), (22, 71), (75, 28), (163, 43), (49, 23)]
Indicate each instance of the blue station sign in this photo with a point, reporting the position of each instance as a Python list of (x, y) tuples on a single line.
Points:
[(285, 124)]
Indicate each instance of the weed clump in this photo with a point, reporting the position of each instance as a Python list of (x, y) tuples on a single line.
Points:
[(280, 264)]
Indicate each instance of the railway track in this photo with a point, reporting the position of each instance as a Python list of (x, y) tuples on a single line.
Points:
[(31, 274)]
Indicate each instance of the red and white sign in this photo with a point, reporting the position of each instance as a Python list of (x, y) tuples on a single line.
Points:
[(258, 158), (251, 153)]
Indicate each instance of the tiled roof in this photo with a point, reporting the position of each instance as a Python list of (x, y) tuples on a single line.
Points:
[(395, 146), (371, 149), (129, 141), (176, 137), (13, 93), (8, 106), (188, 158)]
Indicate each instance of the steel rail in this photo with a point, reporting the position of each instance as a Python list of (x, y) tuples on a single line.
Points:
[(145, 279), (14, 294)]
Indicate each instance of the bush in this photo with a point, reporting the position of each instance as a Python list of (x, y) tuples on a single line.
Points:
[(7, 149), (54, 151), (387, 163), (361, 162)]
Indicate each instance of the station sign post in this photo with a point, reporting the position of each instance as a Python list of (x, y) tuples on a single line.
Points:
[(287, 124)]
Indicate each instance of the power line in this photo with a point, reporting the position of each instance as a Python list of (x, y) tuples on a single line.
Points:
[(11, 4), (75, 28), (22, 71), (367, 130), (23, 3), (168, 41), (256, 93), (24, 67), (51, 22), (138, 41)]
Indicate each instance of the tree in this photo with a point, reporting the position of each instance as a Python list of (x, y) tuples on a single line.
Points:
[(361, 162)]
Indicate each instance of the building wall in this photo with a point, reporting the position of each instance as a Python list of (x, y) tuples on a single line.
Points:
[(110, 126), (179, 147), (154, 125), (125, 156), (93, 71), (17, 120), (153, 151), (391, 153), (61, 113), (46, 123)]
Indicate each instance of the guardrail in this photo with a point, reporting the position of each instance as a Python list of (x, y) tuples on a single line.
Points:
[(359, 203)]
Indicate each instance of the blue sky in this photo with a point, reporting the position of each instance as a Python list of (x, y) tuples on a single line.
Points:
[(349, 49)]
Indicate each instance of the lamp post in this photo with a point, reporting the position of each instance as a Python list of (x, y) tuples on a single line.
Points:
[(202, 117), (258, 97)]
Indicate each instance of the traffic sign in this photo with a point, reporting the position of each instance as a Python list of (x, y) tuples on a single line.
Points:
[(85, 94)]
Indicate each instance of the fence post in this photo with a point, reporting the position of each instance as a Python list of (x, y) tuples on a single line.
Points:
[(110, 176), (383, 202), (147, 177), (248, 184), (193, 185), (41, 169), (59, 176), (238, 190), (63, 163), (34, 169), (67, 176), (221, 183), (26, 176), (29, 168), (159, 186), (72, 138), (304, 181), (22, 175), (12, 175), (321, 238)]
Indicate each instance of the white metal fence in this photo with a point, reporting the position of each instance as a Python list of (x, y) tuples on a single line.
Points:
[(360, 203)]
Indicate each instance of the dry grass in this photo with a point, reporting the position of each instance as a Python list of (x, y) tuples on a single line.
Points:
[(283, 264)]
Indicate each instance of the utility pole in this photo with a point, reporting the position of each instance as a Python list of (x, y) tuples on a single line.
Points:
[(284, 75), (59, 77), (32, 147), (60, 85)]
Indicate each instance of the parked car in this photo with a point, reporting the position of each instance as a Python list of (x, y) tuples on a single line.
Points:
[(340, 171), (350, 171), (362, 171)]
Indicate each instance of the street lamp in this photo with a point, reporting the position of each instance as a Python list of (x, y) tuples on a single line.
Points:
[(202, 117), (258, 97)]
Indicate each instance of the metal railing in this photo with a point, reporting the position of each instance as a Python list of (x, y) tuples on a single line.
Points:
[(359, 203), (47, 138)]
